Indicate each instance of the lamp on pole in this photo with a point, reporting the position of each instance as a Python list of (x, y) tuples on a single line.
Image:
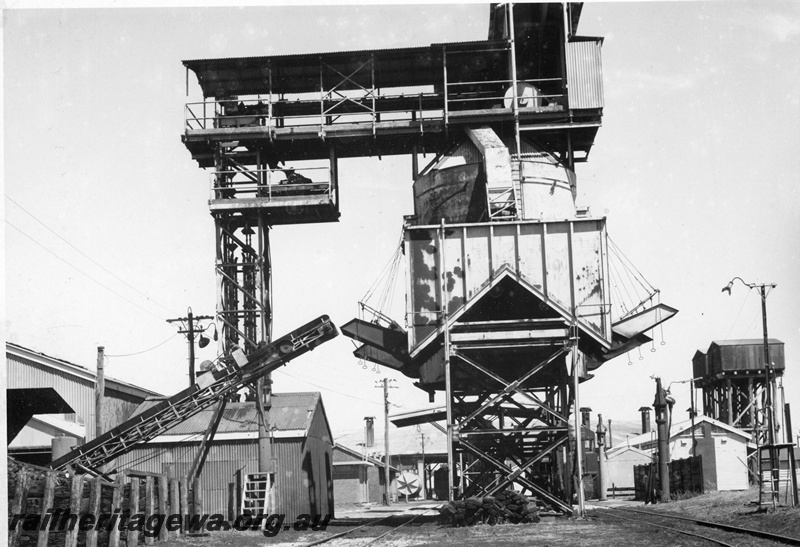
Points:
[(773, 459), (190, 329), (762, 287)]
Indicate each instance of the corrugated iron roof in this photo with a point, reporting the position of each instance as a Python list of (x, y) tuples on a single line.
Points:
[(746, 342), (301, 73), (290, 412), (78, 370), (402, 441)]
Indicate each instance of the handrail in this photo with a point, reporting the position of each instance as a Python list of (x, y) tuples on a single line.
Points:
[(323, 110), (260, 183)]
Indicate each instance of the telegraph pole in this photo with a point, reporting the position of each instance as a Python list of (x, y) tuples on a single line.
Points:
[(188, 328), (387, 459)]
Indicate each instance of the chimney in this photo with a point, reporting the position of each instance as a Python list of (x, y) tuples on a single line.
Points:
[(369, 432), (585, 415), (645, 410)]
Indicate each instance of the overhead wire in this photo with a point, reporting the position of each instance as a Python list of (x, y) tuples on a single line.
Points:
[(68, 263), (328, 389), (93, 261), (145, 350)]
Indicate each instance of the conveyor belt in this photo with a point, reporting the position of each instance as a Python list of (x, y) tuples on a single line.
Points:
[(210, 387)]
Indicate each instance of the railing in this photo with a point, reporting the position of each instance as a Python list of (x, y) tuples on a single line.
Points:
[(319, 110), (547, 94), (271, 184)]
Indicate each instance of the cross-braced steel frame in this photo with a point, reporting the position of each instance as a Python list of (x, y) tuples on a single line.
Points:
[(244, 308), (740, 401), (506, 432)]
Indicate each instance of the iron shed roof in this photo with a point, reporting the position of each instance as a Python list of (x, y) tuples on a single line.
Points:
[(746, 342), (77, 371), (290, 412), (300, 73)]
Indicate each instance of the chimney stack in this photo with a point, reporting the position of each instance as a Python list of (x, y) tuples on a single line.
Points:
[(585, 415), (645, 410)]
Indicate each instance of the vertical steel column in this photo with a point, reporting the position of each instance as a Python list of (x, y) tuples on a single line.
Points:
[(444, 70), (266, 462), (100, 392), (578, 440), (448, 386), (373, 92), (321, 101), (576, 379), (514, 93)]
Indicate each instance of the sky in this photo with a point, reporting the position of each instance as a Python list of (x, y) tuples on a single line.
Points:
[(107, 231)]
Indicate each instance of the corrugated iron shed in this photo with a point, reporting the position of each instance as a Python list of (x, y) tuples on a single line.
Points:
[(27, 368), (302, 448)]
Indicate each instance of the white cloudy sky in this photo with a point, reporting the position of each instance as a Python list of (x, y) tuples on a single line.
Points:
[(107, 230)]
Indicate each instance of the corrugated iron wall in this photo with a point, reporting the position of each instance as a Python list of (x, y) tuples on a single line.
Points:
[(77, 392), (744, 357), (304, 475), (223, 461), (291, 482), (304, 478), (585, 74)]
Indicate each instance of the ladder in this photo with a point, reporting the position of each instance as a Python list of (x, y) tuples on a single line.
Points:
[(778, 475), (497, 167), (208, 390), (255, 494)]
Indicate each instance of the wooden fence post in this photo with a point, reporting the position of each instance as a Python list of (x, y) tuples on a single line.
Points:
[(198, 499), (47, 503), (149, 506), (75, 496), (162, 491), (94, 510), (175, 502), (239, 484), (116, 503), (18, 505), (184, 505), (133, 502), (231, 501)]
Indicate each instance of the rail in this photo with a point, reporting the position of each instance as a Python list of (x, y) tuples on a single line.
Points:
[(370, 523), (707, 524)]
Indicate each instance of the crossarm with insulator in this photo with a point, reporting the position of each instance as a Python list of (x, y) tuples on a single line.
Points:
[(168, 413)]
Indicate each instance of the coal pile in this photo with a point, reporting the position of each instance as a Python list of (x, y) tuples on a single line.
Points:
[(505, 507)]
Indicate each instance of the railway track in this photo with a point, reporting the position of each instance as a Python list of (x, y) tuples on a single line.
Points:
[(372, 523), (714, 532)]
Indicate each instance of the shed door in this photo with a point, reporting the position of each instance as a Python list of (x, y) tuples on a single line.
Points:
[(731, 472)]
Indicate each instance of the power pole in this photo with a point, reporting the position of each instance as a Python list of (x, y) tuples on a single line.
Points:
[(188, 328), (424, 472), (387, 459)]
